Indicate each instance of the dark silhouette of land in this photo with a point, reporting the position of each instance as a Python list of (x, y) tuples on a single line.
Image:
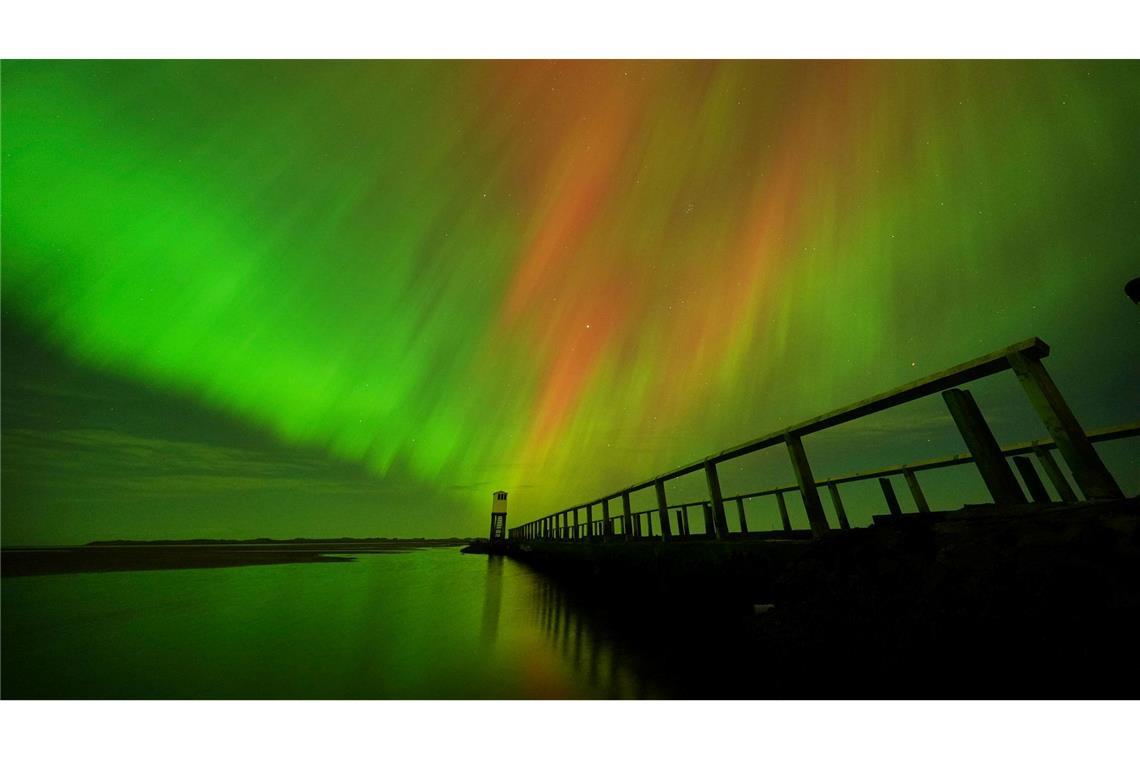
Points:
[(125, 555)]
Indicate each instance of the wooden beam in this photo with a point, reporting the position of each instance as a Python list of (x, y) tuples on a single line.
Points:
[(916, 490), (715, 509), (1092, 477), (662, 510), (889, 495), (1032, 481), (806, 481), (991, 463), (837, 502), (741, 516), (1060, 482), (628, 530), (783, 506)]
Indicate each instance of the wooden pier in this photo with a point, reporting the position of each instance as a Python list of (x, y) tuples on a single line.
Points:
[(671, 522)]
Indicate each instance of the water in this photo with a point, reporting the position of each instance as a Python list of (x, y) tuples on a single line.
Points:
[(431, 623)]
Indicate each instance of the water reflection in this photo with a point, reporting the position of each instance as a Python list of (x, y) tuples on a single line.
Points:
[(492, 599), (428, 624)]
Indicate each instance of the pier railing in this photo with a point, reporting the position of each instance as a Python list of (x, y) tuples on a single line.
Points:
[(1067, 437)]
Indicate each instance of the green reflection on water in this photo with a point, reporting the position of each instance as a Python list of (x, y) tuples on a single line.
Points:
[(422, 624)]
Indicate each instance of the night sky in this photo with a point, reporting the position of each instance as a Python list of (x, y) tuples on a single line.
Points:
[(294, 298)]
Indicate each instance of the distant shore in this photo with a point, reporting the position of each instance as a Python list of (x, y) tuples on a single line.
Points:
[(199, 553)]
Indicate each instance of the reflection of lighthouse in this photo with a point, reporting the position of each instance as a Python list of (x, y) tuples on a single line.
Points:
[(498, 516)]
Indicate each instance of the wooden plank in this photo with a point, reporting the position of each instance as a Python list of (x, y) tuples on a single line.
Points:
[(716, 524), (889, 495), (1064, 490), (837, 502), (808, 493), (988, 457), (662, 510), (915, 490), (783, 507), (1092, 477), (1032, 481)]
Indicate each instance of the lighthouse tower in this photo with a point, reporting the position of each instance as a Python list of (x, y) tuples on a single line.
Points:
[(498, 516)]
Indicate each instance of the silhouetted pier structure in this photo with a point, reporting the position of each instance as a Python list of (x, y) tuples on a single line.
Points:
[(611, 518)]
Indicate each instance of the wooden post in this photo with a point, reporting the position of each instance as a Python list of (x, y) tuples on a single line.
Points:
[(806, 481), (685, 515), (680, 522), (719, 523), (838, 504), (607, 526), (662, 510), (565, 526), (991, 463), (783, 505), (590, 522), (1060, 482), (889, 495), (577, 533), (1032, 482), (710, 527), (628, 529), (741, 516), (916, 490), (1088, 470), (649, 524)]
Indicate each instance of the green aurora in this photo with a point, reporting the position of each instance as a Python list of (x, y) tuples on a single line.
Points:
[(353, 298)]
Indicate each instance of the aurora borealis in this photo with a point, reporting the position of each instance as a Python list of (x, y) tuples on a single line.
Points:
[(356, 297)]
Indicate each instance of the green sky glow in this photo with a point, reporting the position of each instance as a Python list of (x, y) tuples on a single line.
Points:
[(393, 287)]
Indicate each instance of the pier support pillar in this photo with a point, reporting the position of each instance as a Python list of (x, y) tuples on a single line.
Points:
[(1056, 477), (837, 502), (1032, 481), (783, 505), (589, 522), (1093, 478), (740, 514), (991, 463), (577, 532), (627, 530), (607, 526), (662, 510), (806, 481), (719, 526), (889, 495), (916, 491)]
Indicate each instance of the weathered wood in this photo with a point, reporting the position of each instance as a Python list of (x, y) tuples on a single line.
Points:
[(783, 506), (685, 515), (889, 495), (916, 490), (812, 505), (590, 522), (662, 510), (681, 522), (1032, 481), (649, 524), (628, 530), (1092, 477), (995, 471), (741, 516), (607, 526), (718, 524), (837, 502), (1058, 479), (576, 532)]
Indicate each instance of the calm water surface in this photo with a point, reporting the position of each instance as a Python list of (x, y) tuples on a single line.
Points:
[(430, 623)]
